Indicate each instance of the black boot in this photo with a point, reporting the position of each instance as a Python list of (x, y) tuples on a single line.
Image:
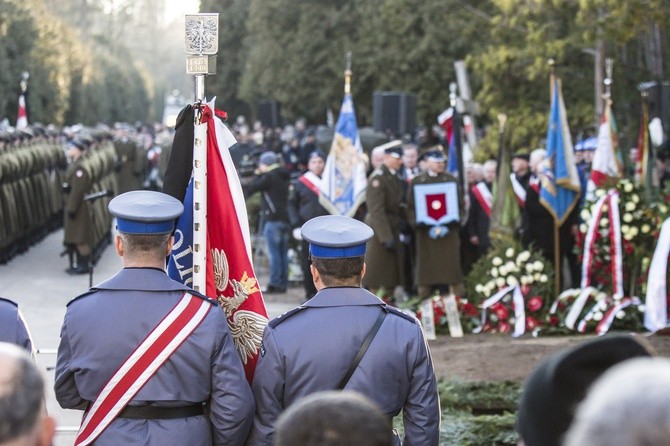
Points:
[(83, 266)]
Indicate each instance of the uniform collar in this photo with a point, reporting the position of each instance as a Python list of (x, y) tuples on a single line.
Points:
[(343, 296), (141, 279)]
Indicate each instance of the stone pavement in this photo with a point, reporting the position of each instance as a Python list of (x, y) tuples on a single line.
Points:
[(37, 280)]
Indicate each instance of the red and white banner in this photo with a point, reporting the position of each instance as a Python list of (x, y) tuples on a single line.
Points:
[(141, 365), (605, 162), (22, 118)]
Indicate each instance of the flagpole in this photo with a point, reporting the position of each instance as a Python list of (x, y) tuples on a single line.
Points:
[(201, 42), (347, 75), (557, 232)]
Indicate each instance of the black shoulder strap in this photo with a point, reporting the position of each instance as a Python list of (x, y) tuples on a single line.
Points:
[(363, 349)]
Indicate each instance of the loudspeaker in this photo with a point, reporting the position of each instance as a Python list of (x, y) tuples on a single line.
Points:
[(393, 112), (269, 113), (659, 103)]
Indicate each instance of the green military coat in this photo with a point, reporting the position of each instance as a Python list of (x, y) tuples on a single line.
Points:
[(384, 203), (438, 261), (77, 220)]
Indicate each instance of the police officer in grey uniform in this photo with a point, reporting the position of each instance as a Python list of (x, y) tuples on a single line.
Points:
[(199, 395), (313, 347), (13, 328)]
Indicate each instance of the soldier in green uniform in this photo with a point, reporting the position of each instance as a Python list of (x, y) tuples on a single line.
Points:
[(77, 221), (127, 176), (438, 261), (384, 197)]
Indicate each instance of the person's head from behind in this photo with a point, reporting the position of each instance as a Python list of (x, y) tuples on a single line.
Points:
[(333, 419), (145, 221), (23, 419), (553, 390), (627, 406), (337, 247)]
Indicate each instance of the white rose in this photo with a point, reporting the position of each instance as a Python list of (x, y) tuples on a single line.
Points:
[(524, 280), (491, 284), (583, 228), (634, 198), (529, 267), (524, 256), (663, 208), (494, 272), (625, 228), (628, 187), (509, 252), (641, 308), (645, 228), (629, 206), (479, 288), (602, 305), (511, 281), (585, 214), (503, 270), (600, 192), (604, 222), (620, 314), (497, 261), (539, 266), (634, 231), (536, 276), (597, 316), (601, 296), (544, 278), (617, 297), (627, 217), (627, 236), (500, 282)]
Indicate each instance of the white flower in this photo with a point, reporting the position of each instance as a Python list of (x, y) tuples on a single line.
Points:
[(583, 228), (634, 231), (479, 288), (617, 297), (539, 266), (620, 314), (601, 296), (511, 281), (628, 187), (544, 278), (634, 198), (509, 252), (503, 270), (524, 256), (625, 229), (641, 308), (645, 228), (599, 192), (497, 261), (585, 214), (494, 272), (500, 282), (663, 208), (597, 316), (524, 280), (629, 206), (602, 305), (529, 267), (627, 217), (536, 276), (604, 222), (628, 237)]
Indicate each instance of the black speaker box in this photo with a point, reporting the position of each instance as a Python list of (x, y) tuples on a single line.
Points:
[(394, 112), (269, 113)]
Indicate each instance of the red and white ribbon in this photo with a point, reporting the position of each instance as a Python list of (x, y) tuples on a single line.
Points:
[(484, 197), (519, 191), (141, 365), (519, 309), (589, 239), (606, 322), (656, 307), (578, 306), (616, 253)]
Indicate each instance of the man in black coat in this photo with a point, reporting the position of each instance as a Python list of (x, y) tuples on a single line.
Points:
[(303, 205)]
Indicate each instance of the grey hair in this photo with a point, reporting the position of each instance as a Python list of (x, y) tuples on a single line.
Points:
[(21, 393), (628, 406)]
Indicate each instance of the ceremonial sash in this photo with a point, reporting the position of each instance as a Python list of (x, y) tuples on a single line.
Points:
[(534, 182), (483, 196), (311, 181), (519, 190), (141, 365)]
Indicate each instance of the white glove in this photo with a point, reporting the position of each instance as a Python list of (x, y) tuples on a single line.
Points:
[(296, 234)]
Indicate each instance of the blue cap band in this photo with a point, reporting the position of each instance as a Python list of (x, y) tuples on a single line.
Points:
[(140, 227), (329, 252)]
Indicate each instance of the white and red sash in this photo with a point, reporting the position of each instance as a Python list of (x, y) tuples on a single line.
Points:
[(519, 190), (534, 182), (484, 197), (141, 365), (311, 181)]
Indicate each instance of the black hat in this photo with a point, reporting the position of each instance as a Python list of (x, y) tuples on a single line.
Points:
[(522, 154), (435, 155), (393, 148), (553, 390), (317, 154)]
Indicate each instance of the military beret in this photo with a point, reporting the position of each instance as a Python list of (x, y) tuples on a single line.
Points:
[(145, 212), (336, 236), (553, 390)]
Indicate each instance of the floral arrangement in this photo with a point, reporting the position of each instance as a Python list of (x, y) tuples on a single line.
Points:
[(469, 313), (508, 267)]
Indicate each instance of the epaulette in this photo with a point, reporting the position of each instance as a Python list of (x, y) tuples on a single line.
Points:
[(400, 313), (279, 319), (87, 293), (9, 301)]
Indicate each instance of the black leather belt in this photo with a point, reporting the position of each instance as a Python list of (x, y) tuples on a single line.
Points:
[(161, 413)]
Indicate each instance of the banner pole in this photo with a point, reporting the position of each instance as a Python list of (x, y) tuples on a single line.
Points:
[(201, 44)]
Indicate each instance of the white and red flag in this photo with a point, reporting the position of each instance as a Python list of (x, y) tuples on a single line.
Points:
[(230, 274), (22, 118), (606, 165)]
